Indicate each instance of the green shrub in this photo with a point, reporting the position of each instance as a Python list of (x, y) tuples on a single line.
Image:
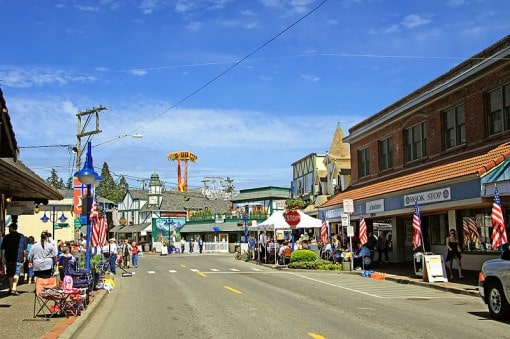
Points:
[(303, 256), (322, 265)]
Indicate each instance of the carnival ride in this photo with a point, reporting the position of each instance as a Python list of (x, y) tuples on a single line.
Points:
[(184, 157)]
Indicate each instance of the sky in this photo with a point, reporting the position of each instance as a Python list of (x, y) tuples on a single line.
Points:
[(249, 86)]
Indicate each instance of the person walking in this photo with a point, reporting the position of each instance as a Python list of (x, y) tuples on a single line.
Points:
[(28, 270), (125, 250), (110, 252), (382, 248), (134, 254), (453, 247), (200, 245), (14, 254), (183, 244), (44, 258)]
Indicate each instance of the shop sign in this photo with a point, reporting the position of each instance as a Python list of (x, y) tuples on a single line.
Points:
[(441, 194), (348, 205), (334, 213), (20, 208), (375, 206)]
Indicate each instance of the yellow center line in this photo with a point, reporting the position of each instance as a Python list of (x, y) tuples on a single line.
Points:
[(316, 336), (201, 274), (183, 265), (232, 289)]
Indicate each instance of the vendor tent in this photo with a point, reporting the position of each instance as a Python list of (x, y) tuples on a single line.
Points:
[(277, 221)]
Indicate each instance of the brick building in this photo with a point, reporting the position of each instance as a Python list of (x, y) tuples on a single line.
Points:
[(442, 144)]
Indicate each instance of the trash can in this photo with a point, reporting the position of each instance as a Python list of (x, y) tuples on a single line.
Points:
[(146, 248), (418, 263), (231, 248)]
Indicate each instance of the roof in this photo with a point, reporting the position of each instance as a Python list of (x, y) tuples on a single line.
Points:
[(8, 144), (130, 228), (262, 193), (471, 166), (229, 226), (19, 182)]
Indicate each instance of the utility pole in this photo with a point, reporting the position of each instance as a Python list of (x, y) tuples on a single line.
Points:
[(82, 130)]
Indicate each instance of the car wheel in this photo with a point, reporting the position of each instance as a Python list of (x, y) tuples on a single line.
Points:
[(498, 305)]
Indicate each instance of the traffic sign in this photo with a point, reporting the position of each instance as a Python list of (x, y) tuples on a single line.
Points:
[(292, 218), (348, 205)]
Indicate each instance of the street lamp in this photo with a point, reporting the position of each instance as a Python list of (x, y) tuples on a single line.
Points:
[(53, 214), (88, 176)]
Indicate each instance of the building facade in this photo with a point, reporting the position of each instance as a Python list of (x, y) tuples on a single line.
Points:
[(435, 145)]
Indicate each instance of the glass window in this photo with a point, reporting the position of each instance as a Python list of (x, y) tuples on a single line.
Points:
[(454, 128), (415, 142), (498, 107), (363, 162), (385, 154)]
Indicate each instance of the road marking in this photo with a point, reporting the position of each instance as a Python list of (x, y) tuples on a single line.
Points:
[(256, 269), (151, 272), (172, 271), (234, 270), (316, 336), (194, 270), (215, 270), (233, 290), (201, 274), (183, 265)]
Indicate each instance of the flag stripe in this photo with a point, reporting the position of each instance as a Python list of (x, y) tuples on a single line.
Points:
[(363, 238), (324, 230)]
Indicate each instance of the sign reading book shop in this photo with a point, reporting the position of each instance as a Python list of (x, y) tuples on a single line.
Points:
[(441, 194)]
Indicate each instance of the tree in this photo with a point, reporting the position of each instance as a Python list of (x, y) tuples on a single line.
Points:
[(54, 180), (108, 188)]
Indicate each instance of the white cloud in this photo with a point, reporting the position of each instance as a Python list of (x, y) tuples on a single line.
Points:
[(414, 20), (310, 77), (28, 77), (139, 72)]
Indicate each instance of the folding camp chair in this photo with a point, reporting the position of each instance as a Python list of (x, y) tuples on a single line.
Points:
[(46, 291), (76, 301)]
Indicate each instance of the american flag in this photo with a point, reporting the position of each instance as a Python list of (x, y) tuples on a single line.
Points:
[(416, 226), (324, 230), (99, 226), (465, 231), (499, 231), (363, 238), (474, 236)]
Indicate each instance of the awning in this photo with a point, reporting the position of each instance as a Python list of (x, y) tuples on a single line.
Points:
[(229, 226), (130, 228), (20, 183), (500, 176)]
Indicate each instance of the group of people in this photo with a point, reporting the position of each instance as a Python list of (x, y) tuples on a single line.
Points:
[(124, 254), (36, 258)]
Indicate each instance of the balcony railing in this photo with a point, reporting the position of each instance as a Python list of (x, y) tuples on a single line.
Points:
[(205, 216)]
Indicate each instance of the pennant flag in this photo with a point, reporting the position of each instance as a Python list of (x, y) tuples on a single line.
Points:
[(499, 230), (363, 238), (324, 230), (416, 226)]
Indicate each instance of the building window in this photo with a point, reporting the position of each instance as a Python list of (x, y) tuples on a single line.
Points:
[(498, 105), (415, 142), (385, 154), (454, 127), (363, 162)]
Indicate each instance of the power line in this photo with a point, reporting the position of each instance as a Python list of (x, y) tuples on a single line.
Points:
[(186, 97)]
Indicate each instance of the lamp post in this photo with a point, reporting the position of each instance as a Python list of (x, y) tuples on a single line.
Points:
[(45, 219), (88, 176)]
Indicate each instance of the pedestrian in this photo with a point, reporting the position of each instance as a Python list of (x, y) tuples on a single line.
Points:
[(191, 245), (183, 244), (200, 245), (382, 248), (28, 270), (453, 247), (110, 252), (125, 250), (134, 254), (44, 258), (14, 254)]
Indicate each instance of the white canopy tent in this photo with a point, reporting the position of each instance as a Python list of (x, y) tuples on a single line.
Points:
[(277, 221)]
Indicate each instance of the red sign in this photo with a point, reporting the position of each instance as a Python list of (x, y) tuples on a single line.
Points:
[(292, 218)]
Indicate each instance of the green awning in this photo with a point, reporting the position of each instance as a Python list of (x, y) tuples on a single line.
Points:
[(229, 226)]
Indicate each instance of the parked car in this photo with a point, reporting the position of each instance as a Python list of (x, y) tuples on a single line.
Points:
[(494, 287)]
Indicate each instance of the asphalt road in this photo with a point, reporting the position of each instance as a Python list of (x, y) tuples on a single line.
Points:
[(215, 296)]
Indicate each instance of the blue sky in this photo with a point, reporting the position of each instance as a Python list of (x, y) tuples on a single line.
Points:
[(249, 86)]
